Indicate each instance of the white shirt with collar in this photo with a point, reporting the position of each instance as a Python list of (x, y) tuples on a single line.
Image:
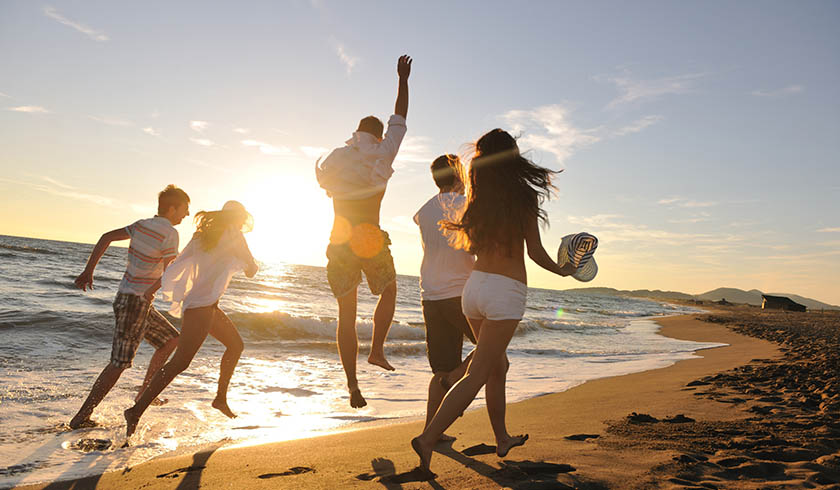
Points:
[(362, 168)]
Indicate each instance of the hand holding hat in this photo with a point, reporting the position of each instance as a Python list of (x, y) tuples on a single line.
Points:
[(579, 249)]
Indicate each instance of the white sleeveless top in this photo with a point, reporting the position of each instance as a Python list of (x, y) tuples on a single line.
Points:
[(199, 278)]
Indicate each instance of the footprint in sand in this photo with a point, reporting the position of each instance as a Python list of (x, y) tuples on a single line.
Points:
[(297, 470), (176, 473), (582, 437)]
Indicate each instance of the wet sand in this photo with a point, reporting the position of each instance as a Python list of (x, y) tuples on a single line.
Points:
[(708, 422)]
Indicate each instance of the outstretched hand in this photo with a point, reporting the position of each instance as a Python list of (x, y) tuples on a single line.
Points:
[(404, 66), (84, 281)]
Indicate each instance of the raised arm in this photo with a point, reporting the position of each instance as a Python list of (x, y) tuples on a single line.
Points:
[(537, 253), (85, 279), (403, 70)]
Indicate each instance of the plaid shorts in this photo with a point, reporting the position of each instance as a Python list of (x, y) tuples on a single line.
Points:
[(137, 319), (367, 251)]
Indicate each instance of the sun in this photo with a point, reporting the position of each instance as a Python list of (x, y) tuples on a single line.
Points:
[(292, 219)]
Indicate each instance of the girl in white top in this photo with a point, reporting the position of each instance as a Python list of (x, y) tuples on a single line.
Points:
[(194, 282)]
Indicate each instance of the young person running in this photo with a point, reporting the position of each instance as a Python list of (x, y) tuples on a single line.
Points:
[(194, 282), (501, 219), (153, 245), (443, 272), (355, 177)]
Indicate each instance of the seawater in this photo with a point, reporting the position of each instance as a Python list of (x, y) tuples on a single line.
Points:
[(55, 339)]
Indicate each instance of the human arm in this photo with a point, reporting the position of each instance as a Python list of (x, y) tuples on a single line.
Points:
[(244, 254), (151, 290), (85, 279), (537, 253), (403, 71)]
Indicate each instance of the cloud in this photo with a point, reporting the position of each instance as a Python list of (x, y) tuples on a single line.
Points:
[(640, 90), (792, 89), (57, 188), (198, 125), (639, 125), (151, 131), (547, 128), (829, 230), (91, 33), (686, 203), (30, 109), (203, 142), (611, 228), (267, 148), (314, 151), (348, 61), (241, 130), (7, 96), (415, 149), (111, 121)]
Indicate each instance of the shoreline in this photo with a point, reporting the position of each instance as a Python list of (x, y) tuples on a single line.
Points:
[(328, 463)]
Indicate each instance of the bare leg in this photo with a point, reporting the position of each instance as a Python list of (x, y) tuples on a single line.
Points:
[(103, 384), (436, 392), (383, 315), (494, 391), (348, 345), (225, 332), (493, 339), (194, 329), (155, 363)]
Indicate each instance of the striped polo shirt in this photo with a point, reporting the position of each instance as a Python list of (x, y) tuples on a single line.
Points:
[(152, 240)]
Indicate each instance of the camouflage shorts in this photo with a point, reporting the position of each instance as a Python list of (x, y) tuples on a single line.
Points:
[(366, 251)]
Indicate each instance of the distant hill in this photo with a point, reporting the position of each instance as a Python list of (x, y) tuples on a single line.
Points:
[(732, 295), (638, 293), (753, 297)]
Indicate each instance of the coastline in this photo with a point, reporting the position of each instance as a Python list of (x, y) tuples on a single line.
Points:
[(383, 453)]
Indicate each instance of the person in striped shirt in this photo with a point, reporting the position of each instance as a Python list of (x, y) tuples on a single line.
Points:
[(153, 245)]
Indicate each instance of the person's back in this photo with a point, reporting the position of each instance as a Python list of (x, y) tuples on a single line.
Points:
[(443, 270), (355, 177)]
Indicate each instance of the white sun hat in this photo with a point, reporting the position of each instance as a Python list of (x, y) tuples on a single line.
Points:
[(578, 248)]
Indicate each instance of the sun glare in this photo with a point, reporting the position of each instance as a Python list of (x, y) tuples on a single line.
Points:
[(292, 219)]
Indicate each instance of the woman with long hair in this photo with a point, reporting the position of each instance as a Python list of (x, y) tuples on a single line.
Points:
[(503, 213), (194, 282)]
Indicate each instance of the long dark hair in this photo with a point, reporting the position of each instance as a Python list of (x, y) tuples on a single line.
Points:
[(504, 190)]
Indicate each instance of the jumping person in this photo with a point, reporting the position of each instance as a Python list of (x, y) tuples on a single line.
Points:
[(194, 282), (355, 177), (153, 245), (443, 272), (502, 217)]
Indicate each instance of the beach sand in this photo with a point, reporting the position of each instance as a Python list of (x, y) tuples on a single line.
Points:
[(636, 452)]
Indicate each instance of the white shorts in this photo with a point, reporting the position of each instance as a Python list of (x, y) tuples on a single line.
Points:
[(493, 297)]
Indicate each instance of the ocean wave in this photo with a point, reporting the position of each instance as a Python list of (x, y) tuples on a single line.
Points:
[(284, 326), (34, 250)]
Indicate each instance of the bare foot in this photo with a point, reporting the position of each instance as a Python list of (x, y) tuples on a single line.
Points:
[(222, 406), (425, 453), (131, 421), (356, 398), (379, 360), (82, 423), (512, 442), (446, 438)]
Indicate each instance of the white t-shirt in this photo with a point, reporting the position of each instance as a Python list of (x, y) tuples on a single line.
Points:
[(152, 240), (199, 278), (362, 168), (444, 269)]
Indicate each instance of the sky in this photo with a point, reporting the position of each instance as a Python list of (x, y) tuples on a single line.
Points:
[(699, 141)]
